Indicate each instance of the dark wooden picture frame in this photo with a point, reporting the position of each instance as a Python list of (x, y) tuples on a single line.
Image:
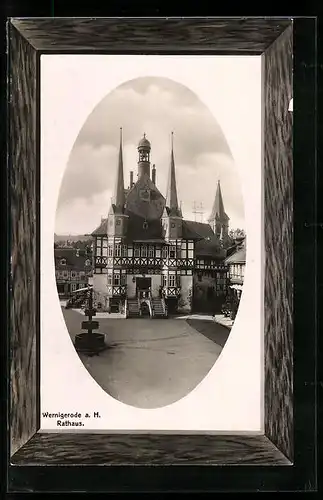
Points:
[(28, 39)]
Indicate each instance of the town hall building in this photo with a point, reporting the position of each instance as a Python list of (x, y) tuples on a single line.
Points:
[(147, 259)]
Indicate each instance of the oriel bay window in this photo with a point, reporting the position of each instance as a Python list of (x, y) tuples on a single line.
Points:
[(172, 280), (165, 252), (116, 279)]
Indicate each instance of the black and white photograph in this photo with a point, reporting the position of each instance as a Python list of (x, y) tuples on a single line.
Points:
[(150, 238)]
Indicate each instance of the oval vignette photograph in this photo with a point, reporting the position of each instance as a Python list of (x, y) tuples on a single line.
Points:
[(150, 242)]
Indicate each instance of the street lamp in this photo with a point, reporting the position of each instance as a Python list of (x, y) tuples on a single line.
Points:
[(89, 342)]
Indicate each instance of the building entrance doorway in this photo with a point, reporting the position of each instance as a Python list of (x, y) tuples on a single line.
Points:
[(142, 286)]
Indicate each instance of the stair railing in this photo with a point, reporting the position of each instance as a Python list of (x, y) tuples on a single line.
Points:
[(151, 303)]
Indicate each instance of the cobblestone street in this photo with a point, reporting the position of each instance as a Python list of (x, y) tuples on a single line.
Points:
[(152, 363)]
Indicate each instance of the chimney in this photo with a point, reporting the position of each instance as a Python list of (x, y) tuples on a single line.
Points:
[(153, 174), (131, 179)]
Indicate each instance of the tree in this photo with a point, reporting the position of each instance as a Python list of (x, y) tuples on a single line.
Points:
[(233, 235)]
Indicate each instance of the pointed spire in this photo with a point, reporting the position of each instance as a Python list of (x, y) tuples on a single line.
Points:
[(218, 206), (119, 197), (171, 197)]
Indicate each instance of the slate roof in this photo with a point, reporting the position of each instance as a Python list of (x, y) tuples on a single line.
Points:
[(218, 206), (101, 230), (73, 262), (193, 230), (238, 257), (210, 247), (141, 229)]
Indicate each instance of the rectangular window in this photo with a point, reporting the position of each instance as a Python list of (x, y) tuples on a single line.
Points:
[(104, 252), (164, 280), (190, 254), (136, 251), (165, 252), (123, 279), (190, 245), (98, 251), (124, 250), (109, 279), (172, 280), (105, 242), (172, 251), (151, 251), (73, 287), (130, 252), (183, 254), (116, 279), (144, 251), (118, 250), (110, 251), (157, 252)]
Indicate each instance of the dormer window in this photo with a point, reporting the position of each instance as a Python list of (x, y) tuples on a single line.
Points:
[(63, 262)]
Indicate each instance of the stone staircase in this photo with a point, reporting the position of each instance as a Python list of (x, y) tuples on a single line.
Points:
[(158, 307), (133, 310)]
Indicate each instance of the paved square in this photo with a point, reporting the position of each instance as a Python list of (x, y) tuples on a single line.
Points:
[(150, 362)]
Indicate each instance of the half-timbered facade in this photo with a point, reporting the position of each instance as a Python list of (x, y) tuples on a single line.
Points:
[(73, 268), (144, 252), (236, 264)]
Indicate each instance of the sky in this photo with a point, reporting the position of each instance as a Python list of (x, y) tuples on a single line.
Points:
[(155, 106)]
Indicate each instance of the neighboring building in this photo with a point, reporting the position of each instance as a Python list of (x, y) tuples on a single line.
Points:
[(236, 262), (146, 253), (73, 268)]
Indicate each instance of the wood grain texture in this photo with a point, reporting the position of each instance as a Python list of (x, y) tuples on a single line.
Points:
[(148, 35), (278, 200), (74, 35), (22, 198), (103, 449)]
